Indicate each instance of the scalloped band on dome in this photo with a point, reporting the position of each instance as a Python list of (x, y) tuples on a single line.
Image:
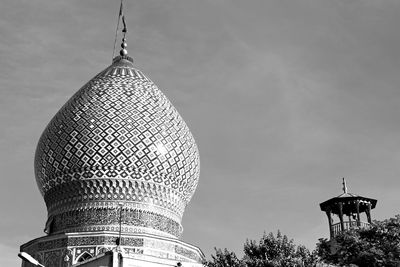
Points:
[(108, 193), (118, 139), (134, 221)]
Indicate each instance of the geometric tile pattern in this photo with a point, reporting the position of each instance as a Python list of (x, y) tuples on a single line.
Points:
[(118, 129), (133, 221), (65, 250), (107, 193)]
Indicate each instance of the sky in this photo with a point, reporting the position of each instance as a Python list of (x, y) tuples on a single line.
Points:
[(283, 97)]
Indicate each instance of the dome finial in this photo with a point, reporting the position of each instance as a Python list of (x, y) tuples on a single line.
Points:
[(123, 52), (344, 186)]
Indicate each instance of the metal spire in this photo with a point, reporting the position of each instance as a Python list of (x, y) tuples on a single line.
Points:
[(123, 51), (344, 186)]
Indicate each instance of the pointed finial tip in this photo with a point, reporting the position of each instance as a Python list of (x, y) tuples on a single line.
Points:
[(344, 185), (123, 52)]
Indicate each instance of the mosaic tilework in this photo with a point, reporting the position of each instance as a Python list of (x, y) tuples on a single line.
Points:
[(53, 258), (118, 139), (108, 220), (103, 240), (62, 250), (187, 253), (107, 193), (52, 244), (118, 119)]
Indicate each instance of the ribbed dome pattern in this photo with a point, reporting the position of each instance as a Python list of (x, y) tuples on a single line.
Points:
[(117, 140)]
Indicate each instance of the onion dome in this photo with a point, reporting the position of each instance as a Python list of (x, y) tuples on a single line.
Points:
[(117, 147)]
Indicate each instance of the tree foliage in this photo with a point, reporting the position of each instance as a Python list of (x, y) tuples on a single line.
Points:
[(378, 245), (270, 251), (224, 258)]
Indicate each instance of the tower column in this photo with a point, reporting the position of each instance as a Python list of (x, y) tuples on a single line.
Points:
[(341, 216), (350, 221), (358, 212), (368, 212), (329, 214)]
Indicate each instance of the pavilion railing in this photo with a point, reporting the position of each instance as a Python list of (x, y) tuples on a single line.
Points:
[(348, 225)]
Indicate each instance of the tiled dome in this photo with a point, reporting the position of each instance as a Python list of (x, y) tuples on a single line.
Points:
[(117, 140)]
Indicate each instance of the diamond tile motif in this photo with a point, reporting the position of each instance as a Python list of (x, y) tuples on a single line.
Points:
[(118, 127)]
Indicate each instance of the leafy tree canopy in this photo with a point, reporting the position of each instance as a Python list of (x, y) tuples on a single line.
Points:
[(270, 251), (378, 245)]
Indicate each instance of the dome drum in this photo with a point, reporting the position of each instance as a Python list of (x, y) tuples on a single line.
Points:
[(95, 193), (88, 205), (107, 219)]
